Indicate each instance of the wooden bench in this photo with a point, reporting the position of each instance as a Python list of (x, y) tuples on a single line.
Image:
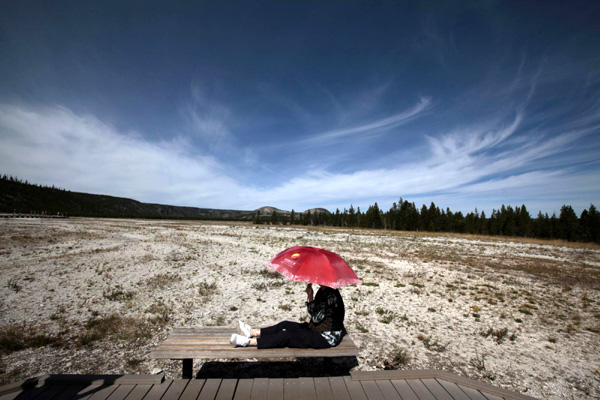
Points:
[(187, 343)]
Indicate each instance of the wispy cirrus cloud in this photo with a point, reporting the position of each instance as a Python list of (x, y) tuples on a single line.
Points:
[(52, 145), (207, 118), (374, 127)]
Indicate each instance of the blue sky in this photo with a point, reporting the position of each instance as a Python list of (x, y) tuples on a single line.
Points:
[(294, 104)]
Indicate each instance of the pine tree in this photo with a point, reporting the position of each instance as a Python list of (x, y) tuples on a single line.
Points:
[(256, 217), (568, 224), (351, 217), (292, 217), (274, 218), (593, 224)]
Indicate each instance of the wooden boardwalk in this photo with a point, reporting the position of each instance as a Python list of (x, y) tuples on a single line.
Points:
[(388, 385)]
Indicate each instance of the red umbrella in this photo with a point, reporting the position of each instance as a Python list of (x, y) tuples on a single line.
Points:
[(314, 265)]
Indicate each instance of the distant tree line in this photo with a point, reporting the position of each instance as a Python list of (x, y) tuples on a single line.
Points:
[(24, 197), (21, 197), (506, 221)]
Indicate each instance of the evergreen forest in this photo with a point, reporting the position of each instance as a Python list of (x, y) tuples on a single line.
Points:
[(18, 196)]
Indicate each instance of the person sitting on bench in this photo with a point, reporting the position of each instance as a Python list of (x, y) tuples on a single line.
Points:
[(325, 329)]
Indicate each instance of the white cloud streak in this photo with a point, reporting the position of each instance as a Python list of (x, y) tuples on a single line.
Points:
[(208, 119), (375, 127), (54, 146)]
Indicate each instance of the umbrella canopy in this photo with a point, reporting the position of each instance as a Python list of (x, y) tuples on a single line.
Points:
[(314, 265)]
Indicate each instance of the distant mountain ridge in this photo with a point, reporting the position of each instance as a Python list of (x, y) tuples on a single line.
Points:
[(23, 197)]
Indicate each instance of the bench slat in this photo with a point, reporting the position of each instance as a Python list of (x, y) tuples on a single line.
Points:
[(222, 342), (245, 353), (213, 343)]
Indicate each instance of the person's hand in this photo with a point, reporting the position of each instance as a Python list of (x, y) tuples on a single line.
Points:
[(309, 292)]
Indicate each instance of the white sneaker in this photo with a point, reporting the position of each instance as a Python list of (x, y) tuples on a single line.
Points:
[(246, 329), (239, 340)]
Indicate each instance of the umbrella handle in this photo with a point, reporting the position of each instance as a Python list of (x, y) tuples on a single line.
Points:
[(309, 292)]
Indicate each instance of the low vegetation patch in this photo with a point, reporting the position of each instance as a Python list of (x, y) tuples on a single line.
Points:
[(397, 360), (115, 326), (162, 281), (206, 289), (118, 294), (19, 337)]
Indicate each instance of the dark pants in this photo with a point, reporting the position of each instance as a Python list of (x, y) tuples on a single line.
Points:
[(290, 334)]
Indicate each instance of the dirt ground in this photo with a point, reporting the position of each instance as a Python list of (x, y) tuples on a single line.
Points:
[(97, 295)]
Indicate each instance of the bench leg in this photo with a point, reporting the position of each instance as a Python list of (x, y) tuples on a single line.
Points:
[(188, 368)]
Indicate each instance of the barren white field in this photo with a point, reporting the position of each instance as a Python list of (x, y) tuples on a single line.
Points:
[(97, 295)]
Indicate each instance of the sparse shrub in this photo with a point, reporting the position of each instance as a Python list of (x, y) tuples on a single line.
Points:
[(115, 326), (525, 309), (13, 284), (162, 314), (59, 314), (498, 334), (431, 309), (270, 274), (432, 344), (361, 328), (386, 316), (207, 289), (118, 294), (18, 337), (285, 307), (398, 359), (134, 363), (370, 284), (162, 281), (479, 361)]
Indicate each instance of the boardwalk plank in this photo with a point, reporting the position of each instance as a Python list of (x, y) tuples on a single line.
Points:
[(176, 389), (388, 390), (371, 390), (339, 389), (323, 389), (210, 389), (406, 385), (491, 396), (227, 389), (138, 392), (21, 386), (453, 389), (192, 390), (157, 391), (420, 389), (436, 389), (70, 392), (290, 389), (104, 392), (306, 388), (52, 392), (472, 393), (404, 389), (87, 392), (244, 389), (355, 389), (121, 392), (275, 391), (260, 389)]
